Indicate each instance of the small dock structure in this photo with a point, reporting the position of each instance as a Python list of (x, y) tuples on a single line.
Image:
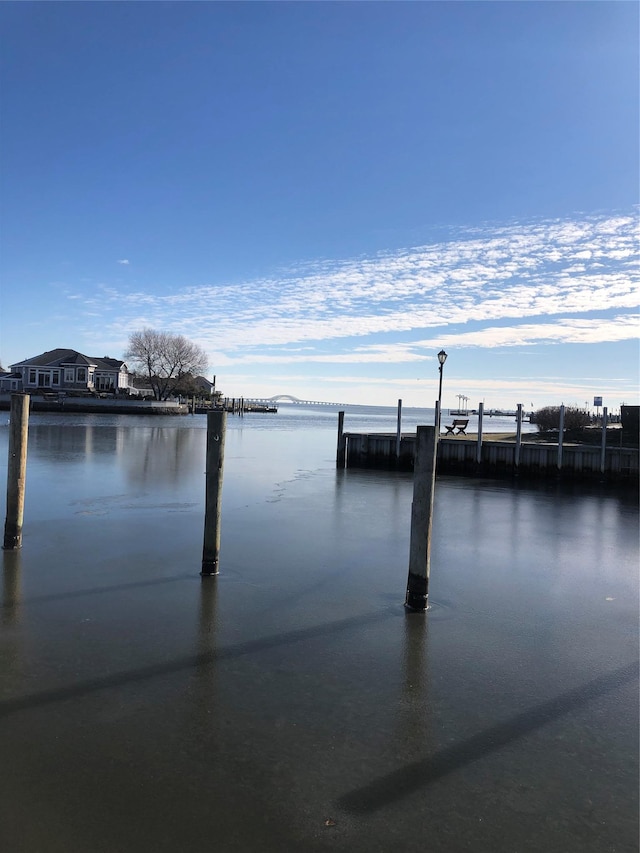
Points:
[(495, 455)]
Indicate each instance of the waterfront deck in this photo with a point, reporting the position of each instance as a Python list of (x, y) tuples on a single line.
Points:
[(495, 455)]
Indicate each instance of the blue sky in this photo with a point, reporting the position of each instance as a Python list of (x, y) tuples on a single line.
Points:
[(323, 195)]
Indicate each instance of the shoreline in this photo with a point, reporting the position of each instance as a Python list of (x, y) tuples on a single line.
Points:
[(99, 405)]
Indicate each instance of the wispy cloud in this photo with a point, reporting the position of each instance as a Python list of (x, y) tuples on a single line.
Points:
[(499, 274), (573, 331), (544, 283), (124, 261)]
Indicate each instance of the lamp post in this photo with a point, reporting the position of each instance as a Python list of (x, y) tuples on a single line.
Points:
[(442, 357)]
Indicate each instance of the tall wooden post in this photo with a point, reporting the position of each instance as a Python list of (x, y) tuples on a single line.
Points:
[(216, 430), (518, 435), (479, 445), (603, 445), (399, 429), (560, 437), (16, 470), (341, 453), (424, 478)]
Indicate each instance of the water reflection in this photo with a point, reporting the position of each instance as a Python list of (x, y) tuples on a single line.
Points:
[(69, 444), (149, 455), (551, 533), (302, 656), (11, 586), (163, 456), (415, 718), (208, 615)]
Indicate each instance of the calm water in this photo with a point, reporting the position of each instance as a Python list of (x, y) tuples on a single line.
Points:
[(146, 709)]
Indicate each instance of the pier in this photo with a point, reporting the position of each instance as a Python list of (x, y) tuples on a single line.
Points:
[(496, 456)]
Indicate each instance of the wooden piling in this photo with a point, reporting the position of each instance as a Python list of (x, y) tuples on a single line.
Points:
[(216, 430), (560, 437), (516, 459), (603, 445), (399, 430), (479, 444), (341, 452), (424, 477), (16, 470)]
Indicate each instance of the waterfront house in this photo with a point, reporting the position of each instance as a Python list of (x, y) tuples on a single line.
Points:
[(67, 371)]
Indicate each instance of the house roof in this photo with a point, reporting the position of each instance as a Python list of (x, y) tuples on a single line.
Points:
[(61, 357), (203, 382)]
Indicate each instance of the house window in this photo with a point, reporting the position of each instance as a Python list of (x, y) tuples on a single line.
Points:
[(105, 383), (55, 377), (68, 374), (32, 376), (44, 379), (82, 374)]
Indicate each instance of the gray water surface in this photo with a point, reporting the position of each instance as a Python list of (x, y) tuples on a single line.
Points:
[(290, 704)]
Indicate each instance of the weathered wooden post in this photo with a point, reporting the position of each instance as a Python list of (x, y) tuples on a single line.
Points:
[(216, 430), (424, 479), (560, 437), (479, 444), (603, 446), (399, 429), (341, 453), (16, 470), (518, 435)]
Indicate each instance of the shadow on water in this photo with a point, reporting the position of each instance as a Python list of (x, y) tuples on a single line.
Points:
[(11, 588), (61, 694), (394, 786)]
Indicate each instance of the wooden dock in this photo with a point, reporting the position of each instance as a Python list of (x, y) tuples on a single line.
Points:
[(493, 456)]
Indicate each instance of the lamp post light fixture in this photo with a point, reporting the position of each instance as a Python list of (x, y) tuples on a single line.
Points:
[(442, 357)]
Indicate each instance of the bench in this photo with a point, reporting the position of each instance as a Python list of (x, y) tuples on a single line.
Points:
[(460, 425)]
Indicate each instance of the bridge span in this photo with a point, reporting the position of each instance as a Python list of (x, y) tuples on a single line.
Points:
[(288, 398)]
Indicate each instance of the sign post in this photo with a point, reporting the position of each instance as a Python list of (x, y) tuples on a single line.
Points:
[(597, 402)]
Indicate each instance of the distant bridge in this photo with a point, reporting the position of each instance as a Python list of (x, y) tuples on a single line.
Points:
[(287, 398)]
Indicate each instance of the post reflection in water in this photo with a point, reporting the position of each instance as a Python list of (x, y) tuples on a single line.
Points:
[(12, 664), (205, 702), (11, 586), (163, 456), (415, 716)]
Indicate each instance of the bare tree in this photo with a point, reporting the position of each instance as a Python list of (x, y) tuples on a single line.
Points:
[(165, 358)]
